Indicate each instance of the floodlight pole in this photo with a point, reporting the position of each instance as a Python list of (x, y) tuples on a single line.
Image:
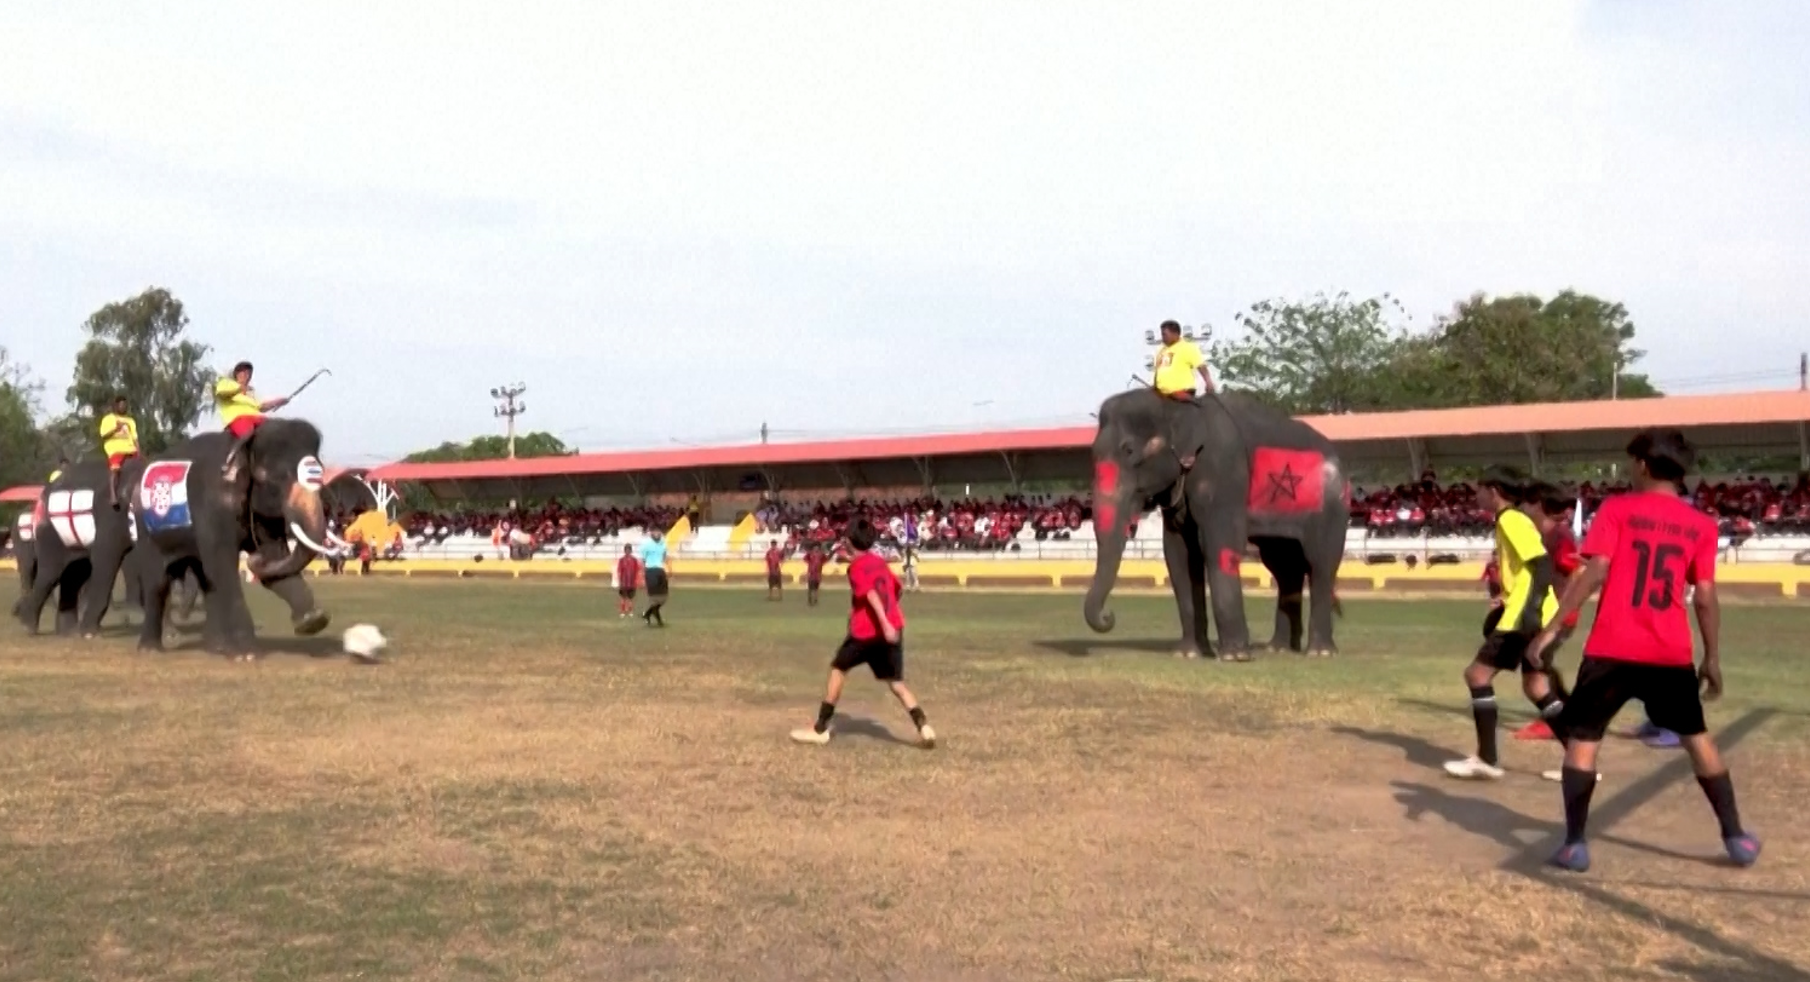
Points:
[(509, 407)]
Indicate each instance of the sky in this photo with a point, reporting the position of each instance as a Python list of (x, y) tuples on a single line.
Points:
[(677, 221)]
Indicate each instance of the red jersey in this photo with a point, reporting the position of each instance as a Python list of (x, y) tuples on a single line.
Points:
[(813, 566), (628, 573), (775, 556), (1562, 547), (1656, 544), (869, 573)]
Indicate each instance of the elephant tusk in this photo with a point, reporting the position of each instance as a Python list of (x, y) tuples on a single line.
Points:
[(337, 541), (301, 536)]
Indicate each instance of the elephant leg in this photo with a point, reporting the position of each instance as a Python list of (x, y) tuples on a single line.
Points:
[(154, 592), (228, 619), (1223, 541), (73, 587), (304, 616), (104, 569), (31, 606), (1288, 564), (1323, 577), (191, 594), (1180, 557)]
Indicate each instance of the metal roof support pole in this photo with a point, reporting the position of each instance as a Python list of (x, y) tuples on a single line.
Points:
[(925, 472), (847, 479), (1803, 445), (1417, 457), (572, 483), (1011, 469), (1534, 453), (634, 485)]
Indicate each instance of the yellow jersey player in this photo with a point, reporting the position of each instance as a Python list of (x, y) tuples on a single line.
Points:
[(1178, 364), (119, 441)]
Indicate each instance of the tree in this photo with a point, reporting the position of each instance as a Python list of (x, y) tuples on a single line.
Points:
[(536, 444), (137, 349), (1521, 349), (22, 449), (1319, 355)]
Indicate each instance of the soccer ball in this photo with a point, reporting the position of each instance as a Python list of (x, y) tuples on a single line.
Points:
[(364, 641)]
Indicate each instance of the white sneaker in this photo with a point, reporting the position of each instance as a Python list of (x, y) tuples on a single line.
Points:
[(1558, 776), (927, 736), (1473, 769), (809, 735)]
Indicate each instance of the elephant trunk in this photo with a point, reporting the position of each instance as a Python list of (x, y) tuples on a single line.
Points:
[(307, 526), (1109, 505)]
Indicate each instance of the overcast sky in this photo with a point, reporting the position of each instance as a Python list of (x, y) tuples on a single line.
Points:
[(675, 221)]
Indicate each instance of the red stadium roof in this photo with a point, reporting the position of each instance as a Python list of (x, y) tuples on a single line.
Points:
[(1758, 422), (24, 492)]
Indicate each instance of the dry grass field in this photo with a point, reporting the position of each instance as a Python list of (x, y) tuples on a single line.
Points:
[(533, 789)]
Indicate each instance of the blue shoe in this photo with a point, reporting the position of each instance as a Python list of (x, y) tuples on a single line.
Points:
[(1743, 850), (1646, 730), (1574, 857), (1663, 740)]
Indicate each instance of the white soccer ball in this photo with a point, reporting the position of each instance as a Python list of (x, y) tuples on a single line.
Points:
[(364, 641)]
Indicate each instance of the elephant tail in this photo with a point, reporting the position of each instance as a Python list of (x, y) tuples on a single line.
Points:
[(1338, 606)]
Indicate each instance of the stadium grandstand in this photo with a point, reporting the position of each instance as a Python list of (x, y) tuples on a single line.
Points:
[(729, 502)]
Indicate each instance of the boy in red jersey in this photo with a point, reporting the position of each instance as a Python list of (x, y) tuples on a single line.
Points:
[(776, 557), (813, 573), (1644, 549), (876, 628), (628, 579)]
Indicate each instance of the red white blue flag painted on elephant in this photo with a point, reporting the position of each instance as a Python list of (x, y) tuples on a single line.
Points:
[(163, 496), (1286, 482)]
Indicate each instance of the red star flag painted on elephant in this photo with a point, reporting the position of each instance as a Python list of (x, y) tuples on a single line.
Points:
[(163, 496), (1286, 482)]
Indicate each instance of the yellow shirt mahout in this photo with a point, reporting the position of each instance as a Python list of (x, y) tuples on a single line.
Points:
[(1518, 544), (113, 443), (234, 401), (1178, 367)]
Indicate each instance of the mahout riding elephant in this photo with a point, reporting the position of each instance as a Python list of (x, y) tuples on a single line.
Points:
[(192, 519), (79, 544), (1226, 471)]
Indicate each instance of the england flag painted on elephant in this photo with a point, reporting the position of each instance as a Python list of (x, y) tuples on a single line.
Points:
[(163, 496)]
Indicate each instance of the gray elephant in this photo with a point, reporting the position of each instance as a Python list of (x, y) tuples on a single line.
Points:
[(79, 543), (191, 518), (1226, 471)]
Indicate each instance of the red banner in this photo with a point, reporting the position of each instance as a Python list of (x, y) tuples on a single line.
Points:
[(1286, 482)]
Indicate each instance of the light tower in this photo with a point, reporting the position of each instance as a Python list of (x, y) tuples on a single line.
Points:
[(509, 407)]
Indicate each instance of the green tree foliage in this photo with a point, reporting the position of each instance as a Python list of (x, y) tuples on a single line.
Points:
[(22, 447), (1321, 355), (138, 348), (536, 444), (1335, 354)]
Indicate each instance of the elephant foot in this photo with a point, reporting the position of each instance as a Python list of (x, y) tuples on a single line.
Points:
[(1322, 652), (1235, 656), (1187, 652), (149, 647), (311, 623)]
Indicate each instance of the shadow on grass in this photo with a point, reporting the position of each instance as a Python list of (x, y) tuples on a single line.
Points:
[(1419, 752), (1506, 827), (861, 726), (1084, 648)]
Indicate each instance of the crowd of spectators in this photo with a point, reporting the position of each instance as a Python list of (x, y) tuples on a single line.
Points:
[(929, 524), (1743, 507), (548, 525)]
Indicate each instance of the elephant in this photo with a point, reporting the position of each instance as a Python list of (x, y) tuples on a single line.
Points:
[(192, 519), (79, 543), (1226, 470)]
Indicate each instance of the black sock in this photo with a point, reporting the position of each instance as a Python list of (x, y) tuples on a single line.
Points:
[(1483, 709), (824, 712), (1578, 786), (1720, 791), (917, 716)]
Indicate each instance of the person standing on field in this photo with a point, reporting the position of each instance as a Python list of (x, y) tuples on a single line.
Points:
[(1644, 550), (876, 637)]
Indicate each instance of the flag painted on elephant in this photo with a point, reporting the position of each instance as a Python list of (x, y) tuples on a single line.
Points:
[(1286, 482), (1106, 489), (163, 496)]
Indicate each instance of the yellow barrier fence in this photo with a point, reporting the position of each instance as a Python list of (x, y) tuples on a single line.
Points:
[(1770, 581)]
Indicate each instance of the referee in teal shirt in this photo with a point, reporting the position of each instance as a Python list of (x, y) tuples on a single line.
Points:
[(653, 559)]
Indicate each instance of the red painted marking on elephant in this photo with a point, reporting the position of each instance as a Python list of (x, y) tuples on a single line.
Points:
[(1286, 482), (1229, 560), (1106, 488)]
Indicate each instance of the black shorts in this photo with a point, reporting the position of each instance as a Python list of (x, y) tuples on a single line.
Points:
[(772, 581), (813, 585), (1669, 693), (887, 660), (656, 583), (626, 593), (1505, 651)]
